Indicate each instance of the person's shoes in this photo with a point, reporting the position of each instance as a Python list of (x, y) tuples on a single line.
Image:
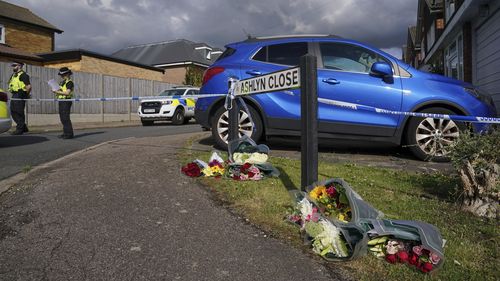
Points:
[(61, 136), (16, 133), (25, 130), (66, 137)]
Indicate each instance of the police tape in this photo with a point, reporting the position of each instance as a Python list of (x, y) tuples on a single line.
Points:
[(121, 98), (354, 106)]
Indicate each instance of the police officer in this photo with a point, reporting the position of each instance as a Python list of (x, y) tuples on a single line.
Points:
[(20, 87), (65, 92)]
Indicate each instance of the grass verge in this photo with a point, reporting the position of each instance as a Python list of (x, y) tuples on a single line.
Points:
[(471, 251)]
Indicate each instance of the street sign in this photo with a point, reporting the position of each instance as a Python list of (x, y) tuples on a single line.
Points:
[(272, 82)]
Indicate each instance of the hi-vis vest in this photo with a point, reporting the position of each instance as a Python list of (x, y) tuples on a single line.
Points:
[(15, 84), (63, 88)]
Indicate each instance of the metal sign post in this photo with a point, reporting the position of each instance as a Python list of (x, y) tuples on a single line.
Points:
[(233, 113), (309, 120)]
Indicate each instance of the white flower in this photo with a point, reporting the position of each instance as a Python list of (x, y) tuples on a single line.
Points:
[(330, 240), (306, 209)]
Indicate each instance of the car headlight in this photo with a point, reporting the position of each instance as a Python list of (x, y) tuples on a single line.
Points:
[(166, 102), (481, 95)]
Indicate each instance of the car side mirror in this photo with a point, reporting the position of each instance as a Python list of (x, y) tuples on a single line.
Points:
[(382, 70)]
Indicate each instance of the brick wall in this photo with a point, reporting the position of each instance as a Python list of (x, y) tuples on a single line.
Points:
[(27, 38), (100, 66), (175, 75)]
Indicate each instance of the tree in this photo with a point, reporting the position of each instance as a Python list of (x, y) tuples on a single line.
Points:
[(194, 76), (477, 159)]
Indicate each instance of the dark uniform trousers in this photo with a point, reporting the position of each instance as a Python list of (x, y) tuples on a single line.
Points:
[(17, 111), (64, 112)]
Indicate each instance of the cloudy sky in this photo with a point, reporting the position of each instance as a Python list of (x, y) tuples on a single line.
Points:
[(106, 26)]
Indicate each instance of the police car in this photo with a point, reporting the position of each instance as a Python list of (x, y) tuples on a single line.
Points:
[(5, 122), (170, 105)]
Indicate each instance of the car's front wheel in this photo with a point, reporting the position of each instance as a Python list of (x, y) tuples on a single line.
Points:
[(220, 126), (430, 139), (178, 117)]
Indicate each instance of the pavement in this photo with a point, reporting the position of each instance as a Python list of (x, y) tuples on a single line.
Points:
[(122, 210)]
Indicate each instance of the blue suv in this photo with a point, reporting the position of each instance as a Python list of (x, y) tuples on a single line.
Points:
[(348, 71)]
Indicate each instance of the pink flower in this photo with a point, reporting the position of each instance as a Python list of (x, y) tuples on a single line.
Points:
[(434, 258), (417, 250)]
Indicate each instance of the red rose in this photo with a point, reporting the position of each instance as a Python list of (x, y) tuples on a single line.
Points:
[(236, 178), (426, 267), (412, 259), (391, 258), (251, 175), (245, 167), (191, 170), (402, 256)]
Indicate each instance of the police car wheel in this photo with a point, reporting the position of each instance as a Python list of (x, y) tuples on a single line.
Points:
[(178, 117), (220, 126), (430, 139)]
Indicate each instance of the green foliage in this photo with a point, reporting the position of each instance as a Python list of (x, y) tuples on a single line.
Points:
[(194, 76), (480, 150)]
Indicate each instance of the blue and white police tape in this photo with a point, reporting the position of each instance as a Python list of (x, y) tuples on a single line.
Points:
[(122, 98), (354, 106)]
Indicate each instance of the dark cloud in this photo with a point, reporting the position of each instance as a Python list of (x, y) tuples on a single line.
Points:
[(108, 25)]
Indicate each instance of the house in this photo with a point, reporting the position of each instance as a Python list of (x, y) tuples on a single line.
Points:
[(411, 51), (460, 39), (87, 61), (176, 57), (24, 31)]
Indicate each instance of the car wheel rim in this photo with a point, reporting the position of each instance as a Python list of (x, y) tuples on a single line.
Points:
[(434, 136), (245, 125)]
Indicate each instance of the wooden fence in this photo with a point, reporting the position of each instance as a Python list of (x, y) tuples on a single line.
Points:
[(87, 85)]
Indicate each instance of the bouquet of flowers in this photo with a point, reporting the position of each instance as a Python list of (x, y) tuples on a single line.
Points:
[(404, 251), (332, 200), (244, 172), (326, 239), (214, 168)]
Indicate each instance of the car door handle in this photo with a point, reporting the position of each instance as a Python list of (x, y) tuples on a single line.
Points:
[(331, 81), (254, 72)]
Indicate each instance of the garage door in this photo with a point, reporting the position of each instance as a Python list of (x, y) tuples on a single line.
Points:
[(488, 57)]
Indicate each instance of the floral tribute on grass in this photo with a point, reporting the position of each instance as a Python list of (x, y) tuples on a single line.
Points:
[(247, 161), (339, 225), (332, 201), (404, 251)]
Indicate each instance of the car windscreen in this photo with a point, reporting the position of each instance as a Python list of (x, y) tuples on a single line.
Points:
[(172, 92)]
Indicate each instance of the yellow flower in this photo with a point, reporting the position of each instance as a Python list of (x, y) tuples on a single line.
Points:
[(342, 218), (317, 192), (217, 170), (207, 172)]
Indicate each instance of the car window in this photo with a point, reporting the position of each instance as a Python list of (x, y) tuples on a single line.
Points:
[(286, 53), (346, 57), (227, 53), (172, 92)]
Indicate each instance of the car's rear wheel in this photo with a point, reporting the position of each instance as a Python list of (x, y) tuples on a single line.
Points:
[(220, 126), (430, 139), (178, 117), (147, 122)]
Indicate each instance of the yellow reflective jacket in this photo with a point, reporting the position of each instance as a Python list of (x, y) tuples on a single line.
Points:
[(15, 83), (64, 88)]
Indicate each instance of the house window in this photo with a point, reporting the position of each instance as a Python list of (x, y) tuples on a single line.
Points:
[(453, 60), (449, 9), (431, 36), (2, 34)]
